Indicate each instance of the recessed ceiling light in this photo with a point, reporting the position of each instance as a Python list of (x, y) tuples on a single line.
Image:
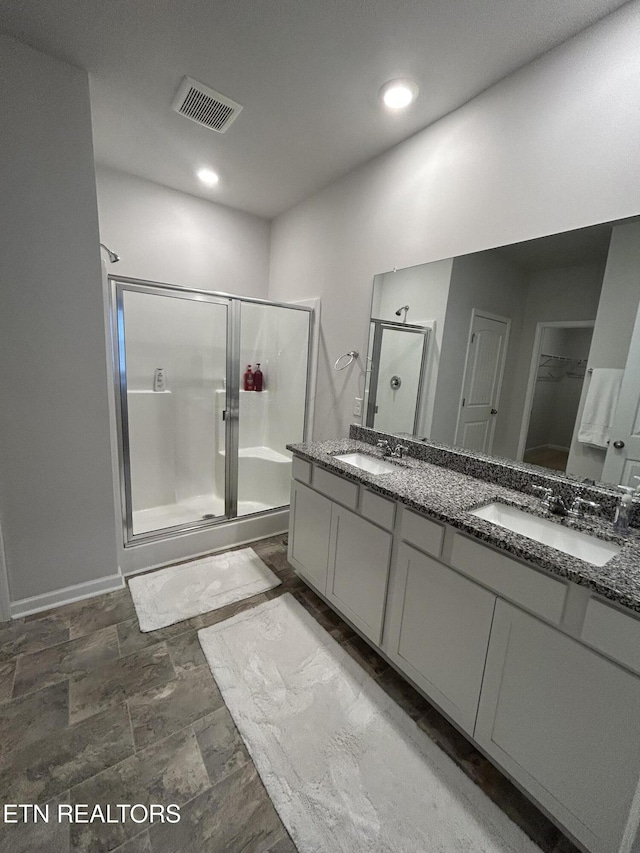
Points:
[(208, 177), (397, 94)]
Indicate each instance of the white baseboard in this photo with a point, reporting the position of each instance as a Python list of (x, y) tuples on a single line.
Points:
[(547, 447), (78, 592), (142, 558)]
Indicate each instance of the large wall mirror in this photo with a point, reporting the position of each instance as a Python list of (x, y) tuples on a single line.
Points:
[(528, 352)]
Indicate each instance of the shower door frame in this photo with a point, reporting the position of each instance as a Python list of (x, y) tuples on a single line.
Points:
[(118, 285)]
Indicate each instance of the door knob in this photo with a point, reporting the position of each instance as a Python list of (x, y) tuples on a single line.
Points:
[(618, 445), (494, 411)]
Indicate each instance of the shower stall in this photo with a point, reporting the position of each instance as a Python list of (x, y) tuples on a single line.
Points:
[(196, 449)]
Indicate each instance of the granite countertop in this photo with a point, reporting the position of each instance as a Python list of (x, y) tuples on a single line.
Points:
[(449, 496)]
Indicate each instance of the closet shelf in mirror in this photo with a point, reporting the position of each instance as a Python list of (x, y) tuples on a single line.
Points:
[(556, 367)]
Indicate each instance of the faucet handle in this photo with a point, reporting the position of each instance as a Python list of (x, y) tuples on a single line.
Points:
[(383, 444), (580, 504), (399, 450), (543, 490)]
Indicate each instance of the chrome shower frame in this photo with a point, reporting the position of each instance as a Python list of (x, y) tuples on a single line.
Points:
[(118, 285)]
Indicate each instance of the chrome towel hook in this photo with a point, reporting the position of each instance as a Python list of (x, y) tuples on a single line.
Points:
[(350, 355)]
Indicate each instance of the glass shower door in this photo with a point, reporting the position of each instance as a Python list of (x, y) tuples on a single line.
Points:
[(172, 352), (277, 338)]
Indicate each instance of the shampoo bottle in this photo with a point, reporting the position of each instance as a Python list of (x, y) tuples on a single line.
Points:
[(248, 379), (159, 380), (258, 378)]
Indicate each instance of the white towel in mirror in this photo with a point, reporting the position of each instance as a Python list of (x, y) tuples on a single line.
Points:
[(600, 406)]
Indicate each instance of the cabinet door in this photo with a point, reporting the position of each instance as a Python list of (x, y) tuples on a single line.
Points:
[(565, 723), (309, 529), (359, 570), (439, 626)]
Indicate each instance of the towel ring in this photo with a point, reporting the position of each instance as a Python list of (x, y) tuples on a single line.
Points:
[(350, 355)]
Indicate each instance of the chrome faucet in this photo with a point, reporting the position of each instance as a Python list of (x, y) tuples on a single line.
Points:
[(384, 445), (579, 505), (553, 503), (399, 450)]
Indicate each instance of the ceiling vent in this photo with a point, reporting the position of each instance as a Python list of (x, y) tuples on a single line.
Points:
[(200, 103)]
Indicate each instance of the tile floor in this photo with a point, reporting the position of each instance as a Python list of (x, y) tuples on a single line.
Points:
[(93, 711)]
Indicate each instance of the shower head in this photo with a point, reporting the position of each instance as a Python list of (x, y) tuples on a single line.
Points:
[(112, 255), (404, 308)]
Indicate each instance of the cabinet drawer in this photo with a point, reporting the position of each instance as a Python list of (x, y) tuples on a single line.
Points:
[(613, 633), (301, 470), (525, 585), (338, 489), (422, 532), (377, 509)]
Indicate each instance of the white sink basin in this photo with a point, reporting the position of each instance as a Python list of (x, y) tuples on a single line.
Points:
[(367, 463), (574, 542)]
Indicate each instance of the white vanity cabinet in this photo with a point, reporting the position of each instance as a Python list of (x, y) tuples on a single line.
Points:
[(340, 552), (540, 673), (309, 533), (438, 632), (565, 723), (359, 556)]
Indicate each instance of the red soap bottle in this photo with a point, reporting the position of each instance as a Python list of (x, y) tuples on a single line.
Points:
[(249, 379), (258, 379)]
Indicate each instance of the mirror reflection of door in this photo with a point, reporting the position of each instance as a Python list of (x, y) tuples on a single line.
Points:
[(398, 356), (482, 383), (622, 462)]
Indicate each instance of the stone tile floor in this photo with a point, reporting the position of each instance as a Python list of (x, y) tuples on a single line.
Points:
[(94, 711)]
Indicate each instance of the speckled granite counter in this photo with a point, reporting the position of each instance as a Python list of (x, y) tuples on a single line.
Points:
[(449, 496)]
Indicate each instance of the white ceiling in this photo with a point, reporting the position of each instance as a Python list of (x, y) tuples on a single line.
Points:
[(307, 73)]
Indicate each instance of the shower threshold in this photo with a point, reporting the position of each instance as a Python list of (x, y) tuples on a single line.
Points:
[(202, 507)]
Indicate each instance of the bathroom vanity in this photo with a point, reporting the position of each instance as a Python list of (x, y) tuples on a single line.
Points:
[(533, 653)]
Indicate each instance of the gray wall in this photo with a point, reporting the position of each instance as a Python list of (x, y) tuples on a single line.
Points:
[(547, 149), (487, 282), (612, 332), (620, 299), (56, 498), (425, 289), (165, 235)]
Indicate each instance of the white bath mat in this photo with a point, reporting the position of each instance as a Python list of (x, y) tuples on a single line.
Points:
[(170, 595), (348, 771)]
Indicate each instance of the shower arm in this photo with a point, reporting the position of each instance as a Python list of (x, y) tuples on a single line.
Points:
[(113, 257)]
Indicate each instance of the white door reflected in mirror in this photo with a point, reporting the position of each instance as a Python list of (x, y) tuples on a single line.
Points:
[(482, 382)]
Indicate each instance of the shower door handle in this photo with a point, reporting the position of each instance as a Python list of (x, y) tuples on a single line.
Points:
[(230, 414)]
